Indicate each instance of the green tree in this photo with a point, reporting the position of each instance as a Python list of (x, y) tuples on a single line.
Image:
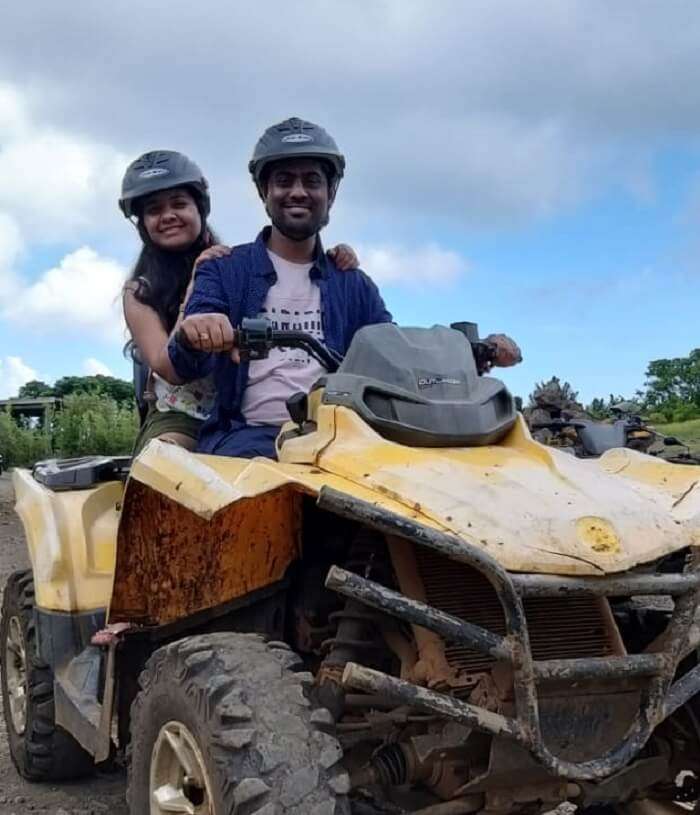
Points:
[(35, 389), (673, 386), (598, 409), (674, 380), (119, 390)]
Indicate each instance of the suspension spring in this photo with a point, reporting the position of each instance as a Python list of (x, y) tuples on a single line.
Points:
[(390, 765), (356, 633)]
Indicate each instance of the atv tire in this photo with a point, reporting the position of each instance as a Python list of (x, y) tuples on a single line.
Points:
[(40, 749), (222, 724)]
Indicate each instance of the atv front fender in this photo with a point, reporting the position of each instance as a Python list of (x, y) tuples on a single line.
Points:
[(71, 538)]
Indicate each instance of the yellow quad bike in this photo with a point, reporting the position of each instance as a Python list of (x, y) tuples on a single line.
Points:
[(417, 608)]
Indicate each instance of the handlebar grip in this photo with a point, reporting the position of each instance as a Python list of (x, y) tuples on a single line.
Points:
[(485, 354)]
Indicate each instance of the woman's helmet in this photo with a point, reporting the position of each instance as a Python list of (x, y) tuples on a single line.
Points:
[(162, 170), (295, 138)]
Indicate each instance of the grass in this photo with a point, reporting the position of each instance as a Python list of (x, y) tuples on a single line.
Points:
[(688, 432)]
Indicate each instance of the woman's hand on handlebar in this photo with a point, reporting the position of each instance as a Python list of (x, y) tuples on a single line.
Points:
[(507, 350), (212, 333)]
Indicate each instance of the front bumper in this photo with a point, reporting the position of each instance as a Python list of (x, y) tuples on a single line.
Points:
[(656, 668)]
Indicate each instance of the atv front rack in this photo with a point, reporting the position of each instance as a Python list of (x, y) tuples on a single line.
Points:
[(660, 695)]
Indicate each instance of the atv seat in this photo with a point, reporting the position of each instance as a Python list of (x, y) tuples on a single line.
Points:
[(597, 438)]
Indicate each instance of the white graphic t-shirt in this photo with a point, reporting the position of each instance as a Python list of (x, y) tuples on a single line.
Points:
[(294, 303)]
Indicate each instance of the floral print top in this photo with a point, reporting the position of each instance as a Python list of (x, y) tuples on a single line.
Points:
[(196, 398)]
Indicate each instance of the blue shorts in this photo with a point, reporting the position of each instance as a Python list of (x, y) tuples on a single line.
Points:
[(241, 441)]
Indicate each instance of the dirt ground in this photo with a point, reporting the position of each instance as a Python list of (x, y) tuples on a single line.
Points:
[(91, 796)]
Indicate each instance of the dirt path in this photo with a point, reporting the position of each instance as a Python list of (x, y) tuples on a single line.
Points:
[(92, 796)]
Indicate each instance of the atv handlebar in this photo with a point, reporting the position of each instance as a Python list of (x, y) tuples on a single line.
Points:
[(485, 355), (256, 338)]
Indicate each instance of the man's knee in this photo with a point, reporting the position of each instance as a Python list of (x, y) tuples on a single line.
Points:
[(247, 442), (179, 439)]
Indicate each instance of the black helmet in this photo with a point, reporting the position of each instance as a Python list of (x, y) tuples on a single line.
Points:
[(295, 138), (162, 170)]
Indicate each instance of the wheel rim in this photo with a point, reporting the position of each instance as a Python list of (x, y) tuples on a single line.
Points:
[(16, 674), (179, 781)]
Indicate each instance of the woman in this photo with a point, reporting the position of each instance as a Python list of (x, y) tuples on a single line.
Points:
[(166, 195)]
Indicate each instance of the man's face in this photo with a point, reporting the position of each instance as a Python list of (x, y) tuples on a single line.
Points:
[(297, 197)]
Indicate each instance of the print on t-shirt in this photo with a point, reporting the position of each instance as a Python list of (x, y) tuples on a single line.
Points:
[(293, 303), (284, 319)]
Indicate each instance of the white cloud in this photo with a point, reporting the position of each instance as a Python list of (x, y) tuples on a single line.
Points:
[(404, 266), (56, 186), (56, 183), (13, 111), (93, 367), (78, 296), (14, 373), (483, 111), (11, 246)]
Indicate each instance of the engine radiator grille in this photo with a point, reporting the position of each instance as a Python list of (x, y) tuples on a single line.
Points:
[(559, 628)]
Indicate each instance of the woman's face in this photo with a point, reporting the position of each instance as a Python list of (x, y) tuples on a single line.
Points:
[(171, 219)]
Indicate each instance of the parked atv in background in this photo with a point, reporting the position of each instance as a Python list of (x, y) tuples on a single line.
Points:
[(416, 608), (559, 423)]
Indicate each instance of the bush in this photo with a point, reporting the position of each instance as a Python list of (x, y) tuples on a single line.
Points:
[(88, 424), (683, 413), (21, 447), (656, 418), (93, 424)]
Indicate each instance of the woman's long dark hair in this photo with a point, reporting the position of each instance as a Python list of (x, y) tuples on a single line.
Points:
[(162, 277)]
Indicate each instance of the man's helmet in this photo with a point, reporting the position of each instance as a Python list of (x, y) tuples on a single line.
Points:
[(295, 138), (162, 170)]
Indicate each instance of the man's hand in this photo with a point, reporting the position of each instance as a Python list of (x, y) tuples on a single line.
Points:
[(344, 257), (219, 250), (207, 332), (508, 353)]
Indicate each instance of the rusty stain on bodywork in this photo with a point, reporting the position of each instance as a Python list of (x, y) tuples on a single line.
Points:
[(598, 534), (172, 563)]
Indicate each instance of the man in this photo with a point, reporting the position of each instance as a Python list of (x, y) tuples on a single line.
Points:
[(283, 276)]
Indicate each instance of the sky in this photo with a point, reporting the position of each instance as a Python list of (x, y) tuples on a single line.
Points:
[(533, 167)]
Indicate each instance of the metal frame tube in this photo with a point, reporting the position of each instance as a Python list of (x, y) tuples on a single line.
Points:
[(413, 611), (658, 698), (375, 682), (541, 585), (626, 667)]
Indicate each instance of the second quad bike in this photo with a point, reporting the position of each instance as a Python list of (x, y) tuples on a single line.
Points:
[(415, 608), (588, 438)]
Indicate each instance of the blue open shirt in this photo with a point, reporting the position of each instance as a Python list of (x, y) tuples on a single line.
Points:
[(237, 285)]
